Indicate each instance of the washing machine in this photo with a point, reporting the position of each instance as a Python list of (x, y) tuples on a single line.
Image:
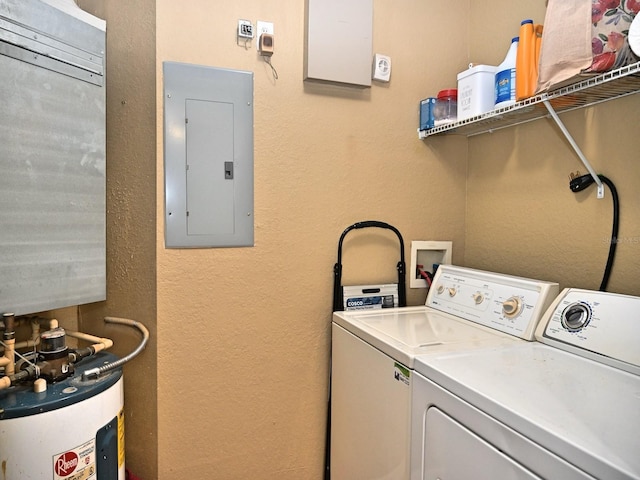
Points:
[(373, 354), (564, 407)]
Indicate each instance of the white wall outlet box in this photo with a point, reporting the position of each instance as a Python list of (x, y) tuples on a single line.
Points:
[(381, 68), (427, 254)]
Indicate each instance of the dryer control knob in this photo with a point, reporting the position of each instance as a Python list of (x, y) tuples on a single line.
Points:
[(576, 316), (512, 307), (478, 298)]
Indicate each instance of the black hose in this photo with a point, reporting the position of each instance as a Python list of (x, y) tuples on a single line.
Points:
[(614, 232)]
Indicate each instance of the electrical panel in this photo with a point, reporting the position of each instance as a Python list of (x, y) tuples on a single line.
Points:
[(208, 157)]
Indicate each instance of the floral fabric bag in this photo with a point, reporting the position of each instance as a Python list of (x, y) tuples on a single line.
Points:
[(584, 37)]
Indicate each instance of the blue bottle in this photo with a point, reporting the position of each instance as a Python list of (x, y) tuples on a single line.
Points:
[(506, 77)]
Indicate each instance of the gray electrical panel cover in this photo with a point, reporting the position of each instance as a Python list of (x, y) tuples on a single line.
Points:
[(208, 156), (52, 158)]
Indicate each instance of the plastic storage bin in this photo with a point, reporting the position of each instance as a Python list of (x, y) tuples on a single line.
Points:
[(476, 91), (446, 107)]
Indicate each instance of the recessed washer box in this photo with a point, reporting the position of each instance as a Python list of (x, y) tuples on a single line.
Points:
[(427, 253)]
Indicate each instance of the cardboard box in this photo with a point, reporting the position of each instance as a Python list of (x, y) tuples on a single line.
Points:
[(427, 119), (365, 297)]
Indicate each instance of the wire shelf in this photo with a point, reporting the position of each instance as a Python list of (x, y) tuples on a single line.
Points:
[(590, 91)]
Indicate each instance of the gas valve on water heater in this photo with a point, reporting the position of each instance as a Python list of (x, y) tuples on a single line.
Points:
[(53, 356)]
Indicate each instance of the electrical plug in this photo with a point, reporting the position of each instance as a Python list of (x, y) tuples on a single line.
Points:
[(578, 182)]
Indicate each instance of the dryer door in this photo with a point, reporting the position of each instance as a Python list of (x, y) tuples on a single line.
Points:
[(453, 452)]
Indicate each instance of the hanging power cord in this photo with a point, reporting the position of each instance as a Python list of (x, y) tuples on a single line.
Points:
[(427, 276), (266, 48), (581, 182), (273, 70)]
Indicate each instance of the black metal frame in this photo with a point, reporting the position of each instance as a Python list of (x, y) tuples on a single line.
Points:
[(338, 295)]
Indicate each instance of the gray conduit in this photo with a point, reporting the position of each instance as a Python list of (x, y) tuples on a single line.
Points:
[(96, 372)]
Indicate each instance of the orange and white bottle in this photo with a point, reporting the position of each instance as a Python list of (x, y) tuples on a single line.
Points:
[(527, 59)]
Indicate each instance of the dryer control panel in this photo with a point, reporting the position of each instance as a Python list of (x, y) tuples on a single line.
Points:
[(599, 325), (507, 303)]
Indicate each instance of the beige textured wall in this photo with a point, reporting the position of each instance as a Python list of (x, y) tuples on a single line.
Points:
[(243, 333), (131, 222), (233, 383), (521, 216)]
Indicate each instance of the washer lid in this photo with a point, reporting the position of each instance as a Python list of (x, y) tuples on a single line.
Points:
[(585, 412), (403, 333)]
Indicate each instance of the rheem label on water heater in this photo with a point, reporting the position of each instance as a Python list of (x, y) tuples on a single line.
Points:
[(76, 464)]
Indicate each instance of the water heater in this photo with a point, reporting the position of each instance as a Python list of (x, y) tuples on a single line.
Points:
[(74, 430)]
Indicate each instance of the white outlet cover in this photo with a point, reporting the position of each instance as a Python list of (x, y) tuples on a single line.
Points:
[(381, 68)]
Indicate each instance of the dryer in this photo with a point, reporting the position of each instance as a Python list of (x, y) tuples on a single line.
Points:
[(373, 353), (565, 407)]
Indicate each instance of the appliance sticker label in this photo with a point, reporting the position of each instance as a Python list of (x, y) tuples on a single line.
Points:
[(76, 464), (401, 373), (121, 437)]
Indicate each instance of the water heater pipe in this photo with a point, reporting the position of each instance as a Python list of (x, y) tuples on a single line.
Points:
[(96, 372), (9, 337), (34, 341), (99, 343)]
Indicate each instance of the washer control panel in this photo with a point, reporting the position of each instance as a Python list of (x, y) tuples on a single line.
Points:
[(599, 325), (507, 303)]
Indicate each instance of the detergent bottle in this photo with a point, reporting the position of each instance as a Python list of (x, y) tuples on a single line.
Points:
[(506, 77), (527, 58)]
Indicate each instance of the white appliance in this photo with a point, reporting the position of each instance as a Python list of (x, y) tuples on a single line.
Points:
[(373, 354), (566, 407), (72, 430)]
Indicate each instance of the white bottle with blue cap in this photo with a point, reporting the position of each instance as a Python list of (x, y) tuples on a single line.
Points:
[(506, 77)]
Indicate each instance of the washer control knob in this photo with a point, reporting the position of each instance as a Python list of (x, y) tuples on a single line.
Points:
[(478, 298), (576, 316), (440, 289), (512, 307), (452, 291)]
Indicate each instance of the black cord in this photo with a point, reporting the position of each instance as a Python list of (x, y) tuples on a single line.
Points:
[(614, 232), (579, 183)]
